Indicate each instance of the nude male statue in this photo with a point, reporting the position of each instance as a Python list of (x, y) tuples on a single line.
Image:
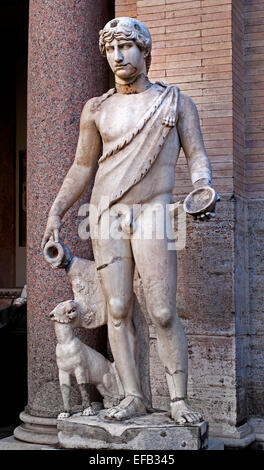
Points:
[(142, 126)]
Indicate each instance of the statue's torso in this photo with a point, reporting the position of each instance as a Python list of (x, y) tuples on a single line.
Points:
[(116, 117)]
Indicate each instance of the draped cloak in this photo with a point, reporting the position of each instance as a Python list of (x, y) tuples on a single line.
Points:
[(127, 163)]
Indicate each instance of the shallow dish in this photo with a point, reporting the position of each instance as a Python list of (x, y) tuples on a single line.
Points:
[(200, 200)]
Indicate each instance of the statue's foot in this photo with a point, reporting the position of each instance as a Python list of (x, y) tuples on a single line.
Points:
[(127, 408), (89, 411), (182, 413), (63, 415)]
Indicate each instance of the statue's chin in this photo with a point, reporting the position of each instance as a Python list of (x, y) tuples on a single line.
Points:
[(126, 75)]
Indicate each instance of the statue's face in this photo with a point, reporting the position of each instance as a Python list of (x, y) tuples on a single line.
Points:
[(125, 58)]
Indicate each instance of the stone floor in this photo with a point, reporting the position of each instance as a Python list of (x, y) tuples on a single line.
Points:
[(6, 431), (11, 443)]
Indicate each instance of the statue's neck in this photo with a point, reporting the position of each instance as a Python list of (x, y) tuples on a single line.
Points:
[(138, 85), (64, 332)]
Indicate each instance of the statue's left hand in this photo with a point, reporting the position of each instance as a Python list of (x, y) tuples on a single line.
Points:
[(208, 215), (210, 212), (52, 230)]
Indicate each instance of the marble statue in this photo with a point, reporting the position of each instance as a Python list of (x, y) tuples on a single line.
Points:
[(87, 365), (142, 127)]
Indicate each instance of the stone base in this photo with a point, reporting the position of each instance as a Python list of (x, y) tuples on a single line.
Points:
[(37, 430), (234, 437), (215, 444), (155, 431), (257, 424)]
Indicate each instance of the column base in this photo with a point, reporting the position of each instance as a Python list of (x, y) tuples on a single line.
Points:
[(257, 424), (234, 437), (37, 430), (11, 443)]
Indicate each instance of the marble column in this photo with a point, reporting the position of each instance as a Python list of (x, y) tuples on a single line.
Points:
[(65, 69)]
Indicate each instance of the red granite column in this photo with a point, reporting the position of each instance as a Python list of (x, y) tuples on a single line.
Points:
[(65, 69)]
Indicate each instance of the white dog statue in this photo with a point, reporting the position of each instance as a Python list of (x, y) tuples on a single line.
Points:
[(75, 358)]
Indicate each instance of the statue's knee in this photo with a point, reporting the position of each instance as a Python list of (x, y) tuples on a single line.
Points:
[(162, 317), (118, 309)]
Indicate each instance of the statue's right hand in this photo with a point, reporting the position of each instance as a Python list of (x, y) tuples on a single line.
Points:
[(52, 230)]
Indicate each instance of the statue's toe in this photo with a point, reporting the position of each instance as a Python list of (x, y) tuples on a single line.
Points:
[(63, 415), (110, 414), (128, 407), (182, 413), (89, 411)]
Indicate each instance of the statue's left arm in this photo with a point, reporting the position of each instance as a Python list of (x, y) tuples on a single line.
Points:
[(192, 142)]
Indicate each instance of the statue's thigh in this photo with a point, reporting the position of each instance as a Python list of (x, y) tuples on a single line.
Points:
[(115, 268), (157, 266)]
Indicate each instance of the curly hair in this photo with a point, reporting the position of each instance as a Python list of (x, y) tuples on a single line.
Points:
[(127, 29)]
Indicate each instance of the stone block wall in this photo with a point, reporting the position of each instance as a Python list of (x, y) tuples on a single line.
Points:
[(254, 97), (256, 289), (253, 14)]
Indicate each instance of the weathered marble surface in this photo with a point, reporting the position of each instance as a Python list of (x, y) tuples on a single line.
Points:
[(155, 431)]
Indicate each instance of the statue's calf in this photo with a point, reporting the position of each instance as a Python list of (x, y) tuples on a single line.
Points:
[(87, 365)]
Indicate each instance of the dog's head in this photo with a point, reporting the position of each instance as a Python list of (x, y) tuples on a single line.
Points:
[(65, 312)]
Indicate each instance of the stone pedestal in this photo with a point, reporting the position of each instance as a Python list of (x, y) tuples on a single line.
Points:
[(155, 431)]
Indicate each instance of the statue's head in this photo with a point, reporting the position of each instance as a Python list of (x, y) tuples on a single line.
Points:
[(65, 312), (116, 37)]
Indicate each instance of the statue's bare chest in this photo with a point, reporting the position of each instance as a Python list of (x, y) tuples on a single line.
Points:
[(121, 113)]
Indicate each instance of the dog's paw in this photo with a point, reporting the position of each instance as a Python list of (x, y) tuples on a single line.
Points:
[(63, 415), (89, 411)]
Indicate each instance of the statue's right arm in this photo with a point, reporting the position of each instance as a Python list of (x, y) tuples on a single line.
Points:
[(79, 175)]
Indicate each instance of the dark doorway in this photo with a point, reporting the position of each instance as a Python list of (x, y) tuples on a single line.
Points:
[(13, 349), (14, 38)]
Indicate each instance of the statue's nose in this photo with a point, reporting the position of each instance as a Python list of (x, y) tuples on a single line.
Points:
[(118, 55)]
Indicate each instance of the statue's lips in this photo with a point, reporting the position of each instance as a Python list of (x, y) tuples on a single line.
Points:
[(119, 67)]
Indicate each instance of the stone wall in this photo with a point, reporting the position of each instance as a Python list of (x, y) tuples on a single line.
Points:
[(256, 289), (254, 97), (241, 304), (254, 150)]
